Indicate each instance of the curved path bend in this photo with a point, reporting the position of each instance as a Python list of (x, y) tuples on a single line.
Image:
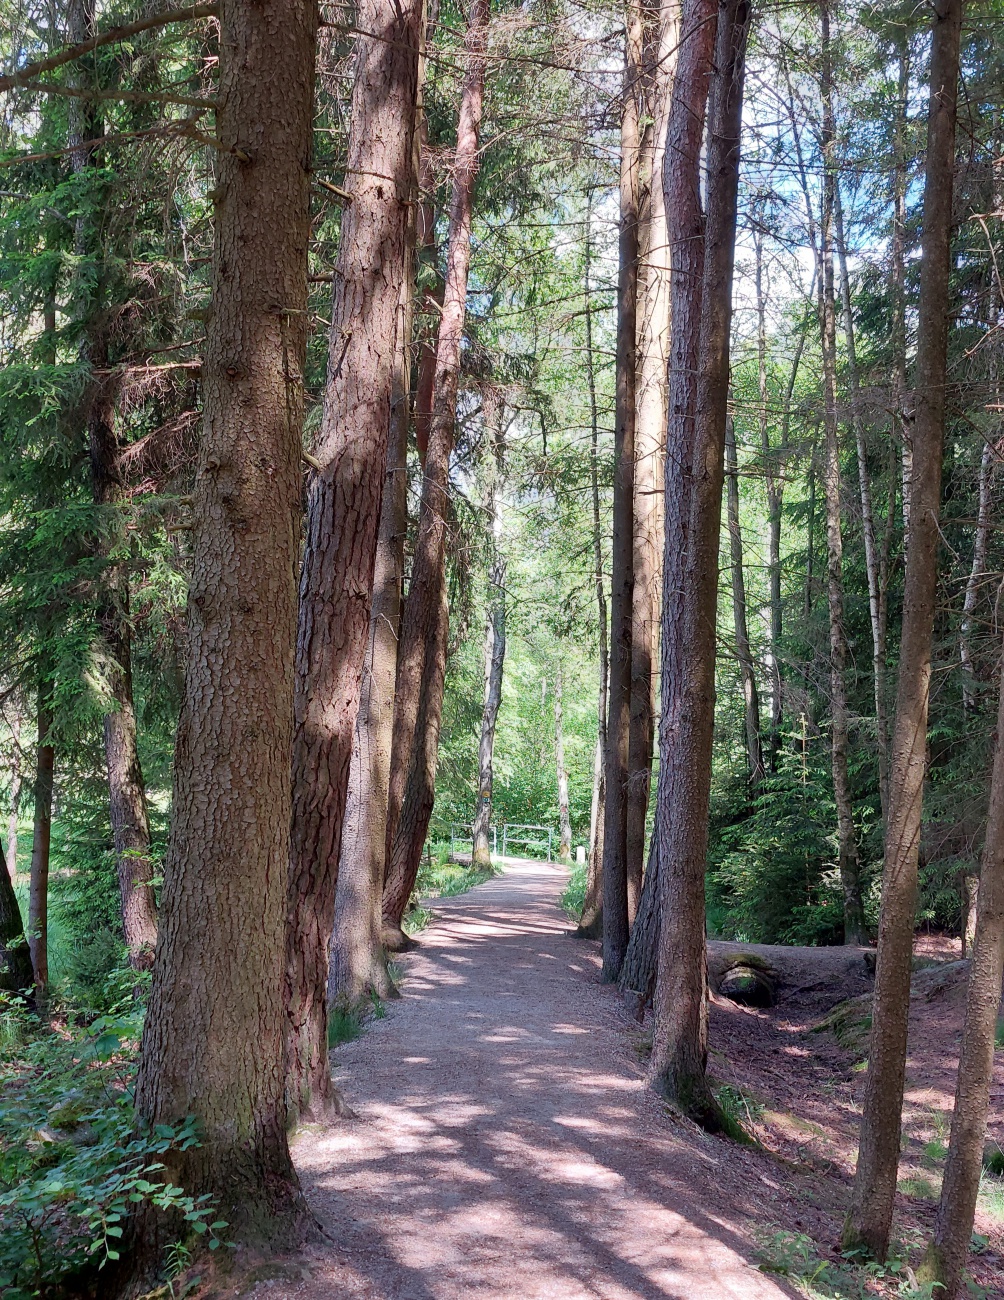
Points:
[(505, 1145)]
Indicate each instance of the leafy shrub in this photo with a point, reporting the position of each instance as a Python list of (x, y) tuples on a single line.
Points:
[(72, 1166)]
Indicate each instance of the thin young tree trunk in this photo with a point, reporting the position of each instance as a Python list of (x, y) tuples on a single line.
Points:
[(591, 921), (870, 1217), (420, 674), (897, 249), (976, 572), (615, 880), (343, 513), (679, 1047), (16, 974), (564, 822), (744, 655), (38, 884), (214, 1042), (15, 790), (847, 854), (876, 603), (494, 664), (947, 1254), (650, 421)]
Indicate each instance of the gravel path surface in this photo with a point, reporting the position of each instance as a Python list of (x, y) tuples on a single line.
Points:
[(505, 1144)]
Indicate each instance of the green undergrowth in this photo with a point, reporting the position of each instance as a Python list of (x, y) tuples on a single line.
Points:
[(796, 1257), (574, 895), (73, 1167), (346, 1021), (438, 877)]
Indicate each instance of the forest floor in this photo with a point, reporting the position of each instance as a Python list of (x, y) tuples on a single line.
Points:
[(505, 1144)]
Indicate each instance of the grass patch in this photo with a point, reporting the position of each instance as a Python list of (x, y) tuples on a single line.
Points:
[(991, 1201), (738, 1106), (921, 1189), (795, 1256), (346, 1021), (573, 897)]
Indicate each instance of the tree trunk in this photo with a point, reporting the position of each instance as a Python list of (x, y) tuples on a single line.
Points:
[(650, 421), (16, 974), (774, 479), (641, 961), (494, 663), (564, 822), (679, 1049), (870, 1216), (876, 602), (976, 572), (591, 921), (358, 964), (421, 657), (38, 886), (214, 1043), (897, 255), (847, 854), (343, 515), (15, 790), (420, 790), (744, 655), (970, 911), (615, 882), (947, 1254)]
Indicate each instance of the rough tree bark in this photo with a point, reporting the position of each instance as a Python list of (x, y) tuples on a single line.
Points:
[(615, 882), (677, 1066), (847, 853), (591, 921), (744, 655), (870, 1217), (685, 235), (15, 789), (661, 41), (358, 962), (873, 559), (343, 514), (422, 651), (494, 652), (946, 1256), (15, 957), (564, 822), (214, 1042), (38, 884), (902, 419)]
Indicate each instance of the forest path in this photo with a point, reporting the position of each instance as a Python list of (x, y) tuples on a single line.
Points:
[(505, 1144)]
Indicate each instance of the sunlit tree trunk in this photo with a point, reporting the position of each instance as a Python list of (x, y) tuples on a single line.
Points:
[(976, 573), (615, 879), (494, 651), (214, 1041), (15, 957), (902, 417), (847, 853), (870, 1217), (679, 1046), (744, 655), (38, 884), (960, 1185), (343, 513), (15, 789), (422, 651)]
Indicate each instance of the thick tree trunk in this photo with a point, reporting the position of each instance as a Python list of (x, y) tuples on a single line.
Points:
[(214, 1043), (870, 1218), (847, 854), (564, 822), (615, 881), (422, 652), (679, 1048), (641, 961), (650, 423), (494, 664), (16, 974), (591, 921), (38, 884), (744, 655), (358, 964), (960, 1186), (343, 513), (976, 572)]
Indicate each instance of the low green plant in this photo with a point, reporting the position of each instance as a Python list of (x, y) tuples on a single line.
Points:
[(346, 1021), (794, 1255), (738, 1105), (73, 1166), (573, 897)]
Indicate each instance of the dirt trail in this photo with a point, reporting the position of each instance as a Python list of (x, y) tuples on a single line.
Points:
[(505, 1144)]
